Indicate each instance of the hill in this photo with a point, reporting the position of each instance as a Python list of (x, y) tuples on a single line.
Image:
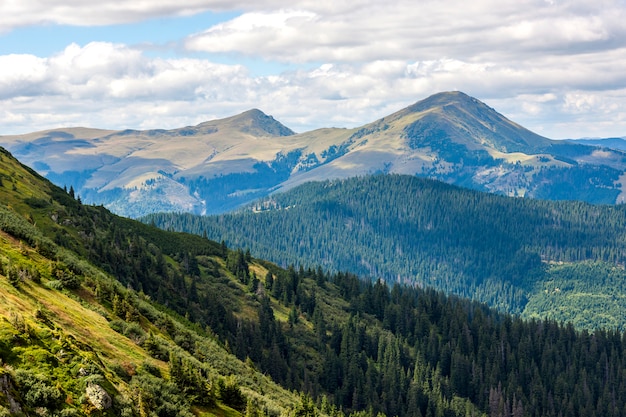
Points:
[(538, 258), (101, 315), (133, 172), (611, 143), (219, 165), (81, 333)]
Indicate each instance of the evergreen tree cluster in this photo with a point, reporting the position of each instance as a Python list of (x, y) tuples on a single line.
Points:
[(412, 352), (420, 232)]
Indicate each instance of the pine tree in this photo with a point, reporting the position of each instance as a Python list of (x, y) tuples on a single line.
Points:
[(269, 281), (176, 369)]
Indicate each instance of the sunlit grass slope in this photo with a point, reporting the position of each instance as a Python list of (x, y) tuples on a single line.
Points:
[(75, 341)]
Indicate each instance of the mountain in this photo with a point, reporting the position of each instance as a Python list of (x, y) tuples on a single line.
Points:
[(611, 143), (101, 315), (220, 165), (136, 171), (76, 338), (537, 258)]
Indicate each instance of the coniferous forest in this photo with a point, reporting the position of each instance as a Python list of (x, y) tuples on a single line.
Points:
[(187, 308), (519, 255)]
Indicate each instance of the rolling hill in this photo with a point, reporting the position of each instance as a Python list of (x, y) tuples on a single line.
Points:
[(563, 260), (222, 164)]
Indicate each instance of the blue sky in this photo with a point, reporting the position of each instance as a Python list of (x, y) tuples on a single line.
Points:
[(555, 67)]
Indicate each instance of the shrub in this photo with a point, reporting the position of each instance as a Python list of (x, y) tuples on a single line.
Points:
[(37, 392), (151, 369), (230, 393), (154, 395), (54, 285), (13, 276), (131, 330), (37, 202)]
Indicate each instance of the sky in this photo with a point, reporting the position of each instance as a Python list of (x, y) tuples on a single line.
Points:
[(555, 67)]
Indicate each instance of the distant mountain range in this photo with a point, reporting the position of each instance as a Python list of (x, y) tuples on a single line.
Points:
[(611, 143), (219, 165)]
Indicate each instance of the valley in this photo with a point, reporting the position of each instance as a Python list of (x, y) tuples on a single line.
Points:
[(102, 315)]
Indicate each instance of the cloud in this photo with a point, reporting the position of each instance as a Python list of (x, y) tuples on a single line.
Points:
[(555, 67), (425, 30), (115, 86), (23, 13)]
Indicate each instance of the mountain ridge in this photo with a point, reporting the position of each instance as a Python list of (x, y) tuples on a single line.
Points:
[(219, 165), (507, 252)]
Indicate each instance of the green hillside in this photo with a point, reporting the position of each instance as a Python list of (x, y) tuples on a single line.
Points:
[(520, 255), (78, 337), (101, 315)]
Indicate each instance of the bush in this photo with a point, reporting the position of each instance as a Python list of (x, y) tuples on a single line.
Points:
[(118, 325), (37, 202), (13, 276), (159, 397), (151, 369), (67, 279), (36, 391), (55, 285), (230, 393), (131, 330)]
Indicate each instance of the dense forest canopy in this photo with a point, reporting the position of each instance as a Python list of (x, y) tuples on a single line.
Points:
[(497, 249)]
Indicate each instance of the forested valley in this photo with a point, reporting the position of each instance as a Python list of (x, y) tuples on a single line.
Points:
[(188, 326), (538, 258)]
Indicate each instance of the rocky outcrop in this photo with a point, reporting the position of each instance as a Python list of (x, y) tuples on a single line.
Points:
[(98, 397), (6, 388)]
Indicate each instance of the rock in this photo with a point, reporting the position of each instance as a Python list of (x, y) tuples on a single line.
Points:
[(6, 388), (98, 397)]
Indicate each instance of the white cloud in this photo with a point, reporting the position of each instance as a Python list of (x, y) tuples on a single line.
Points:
[(20, 13), (424, 30), (21, 75), (115, 86), (255, 32), (555, 67)]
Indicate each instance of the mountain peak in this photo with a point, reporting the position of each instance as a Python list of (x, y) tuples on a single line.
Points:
[(255, 122), (461, 118), (448, 98)]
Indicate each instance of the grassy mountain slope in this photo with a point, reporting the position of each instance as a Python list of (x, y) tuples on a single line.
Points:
[(219, 165), (135, 171), (101, 315), (464, 120), (76, 341), (504, 251)]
